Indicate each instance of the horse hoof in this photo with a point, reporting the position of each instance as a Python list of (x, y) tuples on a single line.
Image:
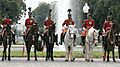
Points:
[(46, 59), (114, 60), (107, 60), (35, 59), (92, 60), (9, 59), (87, 60), (73, 59), (52, 59), (66, 60), (2, 60), (28, 59), (103, 59)]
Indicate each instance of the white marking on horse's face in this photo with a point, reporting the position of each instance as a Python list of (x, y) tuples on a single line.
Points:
[(71, 35), (71, 31), (96, 34)]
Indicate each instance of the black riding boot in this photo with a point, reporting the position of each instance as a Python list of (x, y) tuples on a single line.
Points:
[(13, 39)]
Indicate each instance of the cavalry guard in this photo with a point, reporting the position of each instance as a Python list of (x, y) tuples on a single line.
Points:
[(106, 28), (88, 23), (49, 46), (65, 24), (8, 21), (68, 22), (49, 22), (28, 22)]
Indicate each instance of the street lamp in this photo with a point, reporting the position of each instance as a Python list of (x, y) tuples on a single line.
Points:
[(86, 9)]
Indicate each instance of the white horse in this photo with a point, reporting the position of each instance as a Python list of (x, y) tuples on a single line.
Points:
[(69, 42), (90, 41)]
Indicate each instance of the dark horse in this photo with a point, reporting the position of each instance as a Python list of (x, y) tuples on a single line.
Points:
[(109, 44), (49, 40), (117, 41), (7, 40), (31, 39)]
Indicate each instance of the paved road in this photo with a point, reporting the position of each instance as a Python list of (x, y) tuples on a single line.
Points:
[(59, 62)]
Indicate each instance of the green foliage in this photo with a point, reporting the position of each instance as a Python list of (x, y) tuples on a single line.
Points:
[(12, 8), (40, 13), (100, 9)]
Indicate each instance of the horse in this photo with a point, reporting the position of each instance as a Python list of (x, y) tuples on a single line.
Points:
[(90, 41), (69, 42), (49, 40), (117, 41), (7, 40), (109, 44), (31, 39)]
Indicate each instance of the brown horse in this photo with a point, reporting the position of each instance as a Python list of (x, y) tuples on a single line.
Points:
[(31, 39), (49, 39), (109, 44), (7, 40)]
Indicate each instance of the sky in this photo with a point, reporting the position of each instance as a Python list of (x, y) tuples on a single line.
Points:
[(34, 3)]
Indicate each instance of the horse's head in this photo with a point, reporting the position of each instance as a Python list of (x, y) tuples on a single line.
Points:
[(93, 34), (72, 31), (34, 29)]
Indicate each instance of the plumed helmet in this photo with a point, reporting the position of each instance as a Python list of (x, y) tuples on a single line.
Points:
[(69, 14), (29, 13), (49, 14)]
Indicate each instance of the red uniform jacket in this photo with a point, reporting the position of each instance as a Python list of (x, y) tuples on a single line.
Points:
[(88, 23), (48, 23), (7, 21), (107, 25), (29, 22), (68, 22)]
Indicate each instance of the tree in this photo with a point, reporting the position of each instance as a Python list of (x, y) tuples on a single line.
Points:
[(12, 8), (40, 14)]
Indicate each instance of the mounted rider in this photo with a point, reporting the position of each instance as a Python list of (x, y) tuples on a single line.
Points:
[(7, 21), (68, 22), (49, 22), (107, 25), (29, 22), (88, 23)]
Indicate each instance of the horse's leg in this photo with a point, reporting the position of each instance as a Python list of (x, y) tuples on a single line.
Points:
[(87, 50), (104, 57), (47, 51), (108, 52), (4, 52), (71, 54), (9, 49), (60, 39), (83, 44), (35, 52), (51, 51), (67, 53), (113, 55), (28, 51), (119, 50), (91, 52), (74, 44)]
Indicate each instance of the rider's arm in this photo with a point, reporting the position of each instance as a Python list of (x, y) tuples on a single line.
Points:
[(64, 23)]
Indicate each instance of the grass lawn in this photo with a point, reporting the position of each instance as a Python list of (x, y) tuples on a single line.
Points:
[(96, 54)]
